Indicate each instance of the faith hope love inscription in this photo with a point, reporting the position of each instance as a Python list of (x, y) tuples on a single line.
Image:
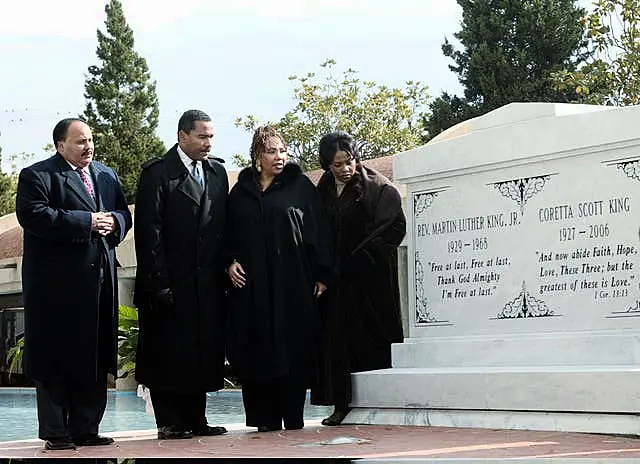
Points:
[(599, 262)]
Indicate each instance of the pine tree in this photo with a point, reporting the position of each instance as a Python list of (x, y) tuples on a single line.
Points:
[(509, 49), (447, 111), (122, 105)]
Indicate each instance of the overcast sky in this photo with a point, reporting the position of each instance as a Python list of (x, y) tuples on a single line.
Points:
[(227, 57)]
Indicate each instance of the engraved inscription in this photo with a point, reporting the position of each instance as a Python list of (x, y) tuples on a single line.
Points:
[(457, 277), (587, 257), (575, 250)]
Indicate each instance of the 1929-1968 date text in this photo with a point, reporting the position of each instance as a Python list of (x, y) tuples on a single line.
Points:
[(475, 244)]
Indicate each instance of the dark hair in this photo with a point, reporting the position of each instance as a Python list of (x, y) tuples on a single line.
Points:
[(188, 120), (61, 129), (259, 141), (336, 141)]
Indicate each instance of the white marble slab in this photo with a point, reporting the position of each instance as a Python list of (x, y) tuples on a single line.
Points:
[(600, 389), (516, 420), (614, 347)]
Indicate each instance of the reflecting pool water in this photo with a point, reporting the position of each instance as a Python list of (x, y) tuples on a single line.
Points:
[(125, 411)]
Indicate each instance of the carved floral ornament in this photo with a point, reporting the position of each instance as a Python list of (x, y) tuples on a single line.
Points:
[(522, 190), (631, 169)]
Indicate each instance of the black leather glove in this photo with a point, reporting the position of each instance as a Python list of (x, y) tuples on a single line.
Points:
[(163, 299)]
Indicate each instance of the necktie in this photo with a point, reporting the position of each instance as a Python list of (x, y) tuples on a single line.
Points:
[(196, 173), (85, 181)]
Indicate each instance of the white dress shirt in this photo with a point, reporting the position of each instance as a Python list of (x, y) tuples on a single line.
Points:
[(188, 163)]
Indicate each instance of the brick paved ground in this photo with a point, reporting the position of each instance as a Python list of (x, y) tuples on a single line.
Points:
[(316, 441)]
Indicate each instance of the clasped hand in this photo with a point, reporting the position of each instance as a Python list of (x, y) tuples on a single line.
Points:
[(103, 223)]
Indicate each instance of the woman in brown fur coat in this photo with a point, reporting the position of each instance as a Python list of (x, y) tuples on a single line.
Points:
[(360, 312)]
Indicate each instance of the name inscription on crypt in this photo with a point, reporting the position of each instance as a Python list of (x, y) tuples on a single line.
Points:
[(551, 247)]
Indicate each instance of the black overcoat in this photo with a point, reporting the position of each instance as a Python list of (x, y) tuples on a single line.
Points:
[(179, 232), (280, 237), (67, 333), (361, 312)]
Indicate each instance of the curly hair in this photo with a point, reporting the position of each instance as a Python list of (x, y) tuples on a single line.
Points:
[(259, 142)]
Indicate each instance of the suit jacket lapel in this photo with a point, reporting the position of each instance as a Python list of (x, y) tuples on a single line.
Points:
[(74, 183), (98, 186)]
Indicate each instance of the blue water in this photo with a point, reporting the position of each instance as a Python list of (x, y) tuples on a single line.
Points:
[(125, 411)]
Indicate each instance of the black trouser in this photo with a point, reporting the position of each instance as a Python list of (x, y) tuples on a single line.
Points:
[(342, 390), (180, 409), (70, 409), (274, 401), (75, 407)]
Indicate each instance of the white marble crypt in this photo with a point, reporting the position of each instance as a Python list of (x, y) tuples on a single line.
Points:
[(524, 276)]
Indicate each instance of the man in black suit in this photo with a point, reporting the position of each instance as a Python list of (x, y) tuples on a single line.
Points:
[(73, 213), (180, 220)]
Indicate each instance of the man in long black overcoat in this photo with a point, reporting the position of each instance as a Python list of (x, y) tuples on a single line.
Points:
[(181, 257), (73, 213)]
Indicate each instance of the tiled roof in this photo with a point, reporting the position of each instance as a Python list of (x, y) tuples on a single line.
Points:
[(11, 243)]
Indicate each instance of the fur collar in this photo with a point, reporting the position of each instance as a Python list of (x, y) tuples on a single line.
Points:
[(289, 172)]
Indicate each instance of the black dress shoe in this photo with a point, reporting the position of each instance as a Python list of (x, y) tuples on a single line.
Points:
[(337, 417), (56, 444), (209, 431), (294, 426), (172, 432), (269, 428), (92, 440)]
